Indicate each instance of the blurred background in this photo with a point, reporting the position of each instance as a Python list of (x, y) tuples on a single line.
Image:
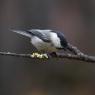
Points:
[(23, 76)]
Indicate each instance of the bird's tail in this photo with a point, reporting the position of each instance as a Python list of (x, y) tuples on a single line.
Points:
[(22, 32)]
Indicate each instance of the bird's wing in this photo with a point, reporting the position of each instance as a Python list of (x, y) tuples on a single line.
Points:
[(41, 34)]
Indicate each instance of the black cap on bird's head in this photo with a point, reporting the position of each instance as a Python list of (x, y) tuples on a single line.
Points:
[(63, 40)]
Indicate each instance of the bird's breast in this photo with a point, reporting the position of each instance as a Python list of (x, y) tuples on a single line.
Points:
[(42, 46)]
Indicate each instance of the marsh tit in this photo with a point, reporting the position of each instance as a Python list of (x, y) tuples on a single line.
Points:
[(45, 40)]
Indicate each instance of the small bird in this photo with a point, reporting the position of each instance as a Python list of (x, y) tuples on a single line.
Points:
[(46, 40)]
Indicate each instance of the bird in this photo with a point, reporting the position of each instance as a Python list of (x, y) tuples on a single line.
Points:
[(45, 40)]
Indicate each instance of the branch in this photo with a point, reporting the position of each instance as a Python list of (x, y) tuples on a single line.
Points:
[(83, 57), (78, 55)]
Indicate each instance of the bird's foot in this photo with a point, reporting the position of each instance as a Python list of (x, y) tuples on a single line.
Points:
[(53, 54), (38, 55)]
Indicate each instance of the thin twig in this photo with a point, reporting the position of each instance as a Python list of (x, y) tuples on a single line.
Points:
[(78, 55), (84, 57), (15, 54)]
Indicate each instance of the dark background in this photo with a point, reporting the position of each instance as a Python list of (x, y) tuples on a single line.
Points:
[(23, 76)]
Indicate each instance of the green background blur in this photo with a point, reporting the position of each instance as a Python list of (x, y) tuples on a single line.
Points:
[(23, 76)]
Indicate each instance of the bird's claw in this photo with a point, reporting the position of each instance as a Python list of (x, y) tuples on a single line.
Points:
[(37, 55)]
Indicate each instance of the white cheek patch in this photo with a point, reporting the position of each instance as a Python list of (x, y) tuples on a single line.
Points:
[(55, 40)]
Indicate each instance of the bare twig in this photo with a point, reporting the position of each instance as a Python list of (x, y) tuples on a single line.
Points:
[(74, 49), (83, 57), (78, 55), (15, 54)]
